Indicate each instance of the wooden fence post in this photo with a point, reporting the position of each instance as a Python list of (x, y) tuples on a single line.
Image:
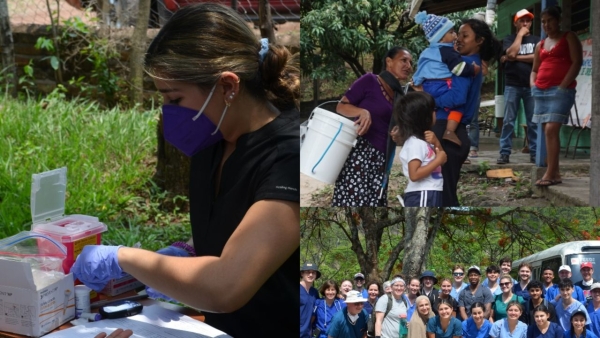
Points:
[(265, 21), (138, 47)]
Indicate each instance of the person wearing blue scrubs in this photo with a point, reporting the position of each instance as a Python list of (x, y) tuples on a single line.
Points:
[(593, 309), (553, 293), (326, 307), (510, 327), (308, 295), (505, 265), (543, 327), (578, 322), (567, 305), (547, 282), (444, 325), (520, 289), (373, 293), (493, 274), (458, 274), (351, 321), (414, 287), (476, 326)]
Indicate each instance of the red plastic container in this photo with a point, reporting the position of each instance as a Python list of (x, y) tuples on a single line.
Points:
[(47, 211)]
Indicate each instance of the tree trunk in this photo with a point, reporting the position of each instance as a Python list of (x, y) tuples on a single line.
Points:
[(316, 87), (8, 49), (420, 233), (172, 167), (54, 25), (595, 138), (265, 21), (138, 47), (105, 14)]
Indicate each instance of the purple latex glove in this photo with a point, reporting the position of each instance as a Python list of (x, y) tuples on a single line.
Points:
[(168, 251), (96, 265)]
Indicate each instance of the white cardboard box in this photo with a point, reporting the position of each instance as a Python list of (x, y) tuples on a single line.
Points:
[(28, 311)]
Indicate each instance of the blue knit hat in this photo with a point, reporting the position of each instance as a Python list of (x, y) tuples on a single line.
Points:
[(435, 27)]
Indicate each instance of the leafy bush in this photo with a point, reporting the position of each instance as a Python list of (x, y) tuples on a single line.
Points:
[(110, 159)]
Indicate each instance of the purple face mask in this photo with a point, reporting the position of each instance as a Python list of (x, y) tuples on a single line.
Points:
[(189, 130)]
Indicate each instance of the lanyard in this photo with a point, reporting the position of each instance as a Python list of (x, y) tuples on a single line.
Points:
[(337, 306)]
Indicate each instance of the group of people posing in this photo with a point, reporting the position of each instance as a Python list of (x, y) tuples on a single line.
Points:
[(429, 119), (497, 307)]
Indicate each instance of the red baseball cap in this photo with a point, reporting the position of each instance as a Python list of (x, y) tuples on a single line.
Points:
[(586, 265), (523, 13)]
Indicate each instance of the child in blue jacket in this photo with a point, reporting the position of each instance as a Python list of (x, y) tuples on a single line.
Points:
[(438, 62)]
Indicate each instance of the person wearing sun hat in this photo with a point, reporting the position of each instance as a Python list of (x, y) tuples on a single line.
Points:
[(428, 280), (438, 62), (517, 61), (593, 309), (351, 321), (308, 295), (587, 273)]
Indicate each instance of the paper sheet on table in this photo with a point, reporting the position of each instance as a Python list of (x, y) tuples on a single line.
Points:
[(154, 322)]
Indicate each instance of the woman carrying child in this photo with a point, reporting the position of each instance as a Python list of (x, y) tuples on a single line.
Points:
[(475, 42), (438, 62)]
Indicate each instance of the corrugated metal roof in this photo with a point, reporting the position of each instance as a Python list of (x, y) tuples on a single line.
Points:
[(440, 7)]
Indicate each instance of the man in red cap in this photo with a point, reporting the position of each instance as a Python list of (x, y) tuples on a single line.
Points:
[(517, 60), (587, 272)]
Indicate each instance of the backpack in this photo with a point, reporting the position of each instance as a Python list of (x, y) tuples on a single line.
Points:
[(372, 317)]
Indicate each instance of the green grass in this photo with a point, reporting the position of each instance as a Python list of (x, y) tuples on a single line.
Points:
[(110, 156)]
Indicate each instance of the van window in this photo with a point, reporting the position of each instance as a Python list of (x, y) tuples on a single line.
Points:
[(574, 261)]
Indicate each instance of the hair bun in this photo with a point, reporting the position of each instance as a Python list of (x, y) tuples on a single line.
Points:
[(281, 76)]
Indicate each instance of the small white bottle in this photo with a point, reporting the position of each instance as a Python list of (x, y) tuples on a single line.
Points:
[(82, 300)]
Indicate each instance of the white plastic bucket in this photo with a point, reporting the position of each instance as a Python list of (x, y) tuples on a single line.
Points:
[(499, 106), (327, 143)]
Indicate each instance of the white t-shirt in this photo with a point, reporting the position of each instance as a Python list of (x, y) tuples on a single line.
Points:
[(415, 148), (390, 328)]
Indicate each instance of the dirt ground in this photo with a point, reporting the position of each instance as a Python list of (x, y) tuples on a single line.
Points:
[(473, 190)]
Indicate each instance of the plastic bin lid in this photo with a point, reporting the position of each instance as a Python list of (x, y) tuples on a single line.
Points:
[(48, 191)]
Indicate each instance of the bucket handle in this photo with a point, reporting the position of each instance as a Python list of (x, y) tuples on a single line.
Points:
[(329, 146), (312, 113)]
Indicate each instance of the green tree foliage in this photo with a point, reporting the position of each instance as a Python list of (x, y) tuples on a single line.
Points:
[(383, 241), (336, 33), (336, 239)]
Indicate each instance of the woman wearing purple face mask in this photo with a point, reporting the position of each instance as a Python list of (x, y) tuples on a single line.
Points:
[(230, 104)]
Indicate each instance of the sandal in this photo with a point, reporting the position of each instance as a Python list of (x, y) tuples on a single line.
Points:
[(473, 154), (467, 161), (547, 183)]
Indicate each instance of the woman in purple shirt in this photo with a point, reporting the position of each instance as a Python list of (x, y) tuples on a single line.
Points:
[(369, 102)]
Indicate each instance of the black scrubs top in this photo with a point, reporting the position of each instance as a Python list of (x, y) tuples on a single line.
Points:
[(264, 165)]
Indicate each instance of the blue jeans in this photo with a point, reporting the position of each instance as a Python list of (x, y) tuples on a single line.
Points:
[(512, 99)]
